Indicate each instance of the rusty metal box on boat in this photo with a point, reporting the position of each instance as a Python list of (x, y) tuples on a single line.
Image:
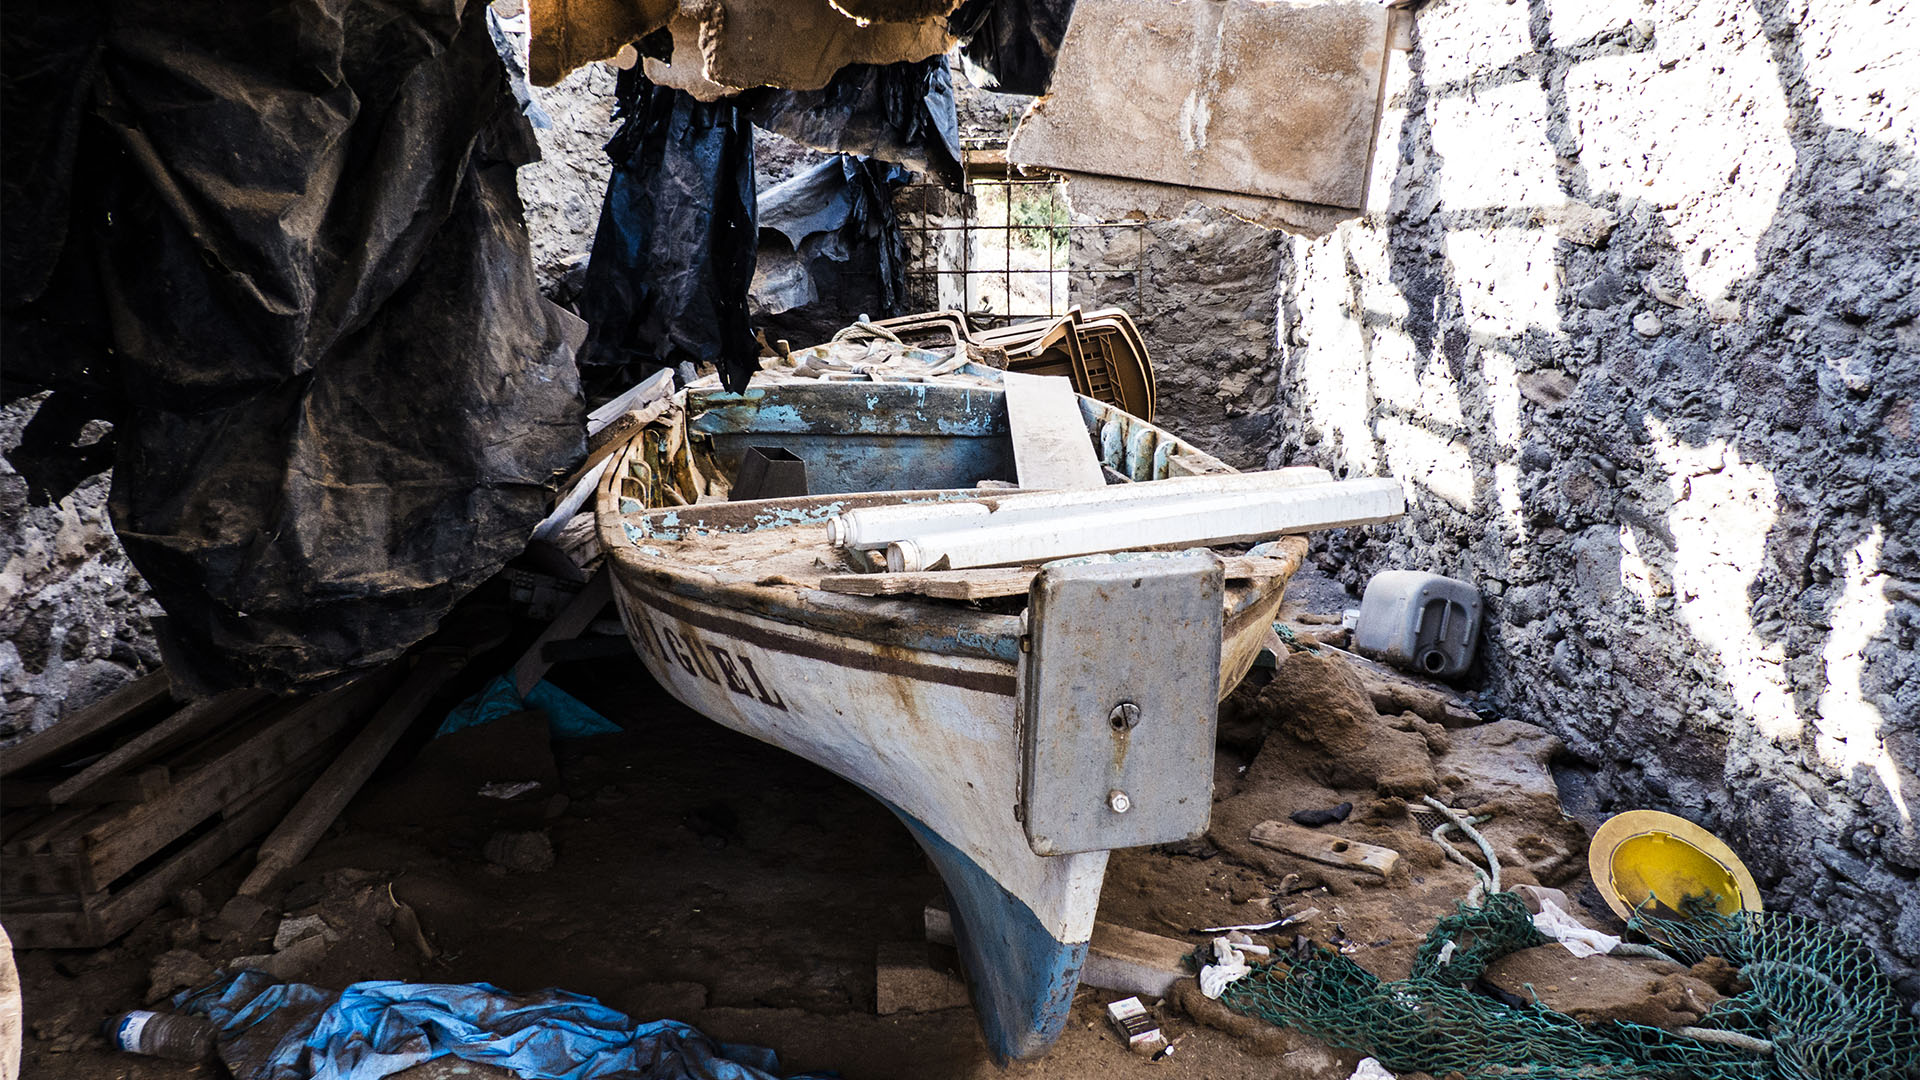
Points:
[(1119, 696)]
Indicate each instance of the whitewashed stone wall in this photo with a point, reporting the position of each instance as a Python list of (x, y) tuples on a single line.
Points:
[(1636, 314)]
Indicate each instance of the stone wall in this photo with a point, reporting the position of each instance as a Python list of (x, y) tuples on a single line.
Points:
[(73, 612), (564, 189), (1633, 313), (1202, 288)]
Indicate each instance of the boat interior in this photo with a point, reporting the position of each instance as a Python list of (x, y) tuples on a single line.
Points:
[(862, 443)]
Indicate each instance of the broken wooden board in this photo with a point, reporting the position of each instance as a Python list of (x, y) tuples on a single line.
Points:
[(792, 44), (120, 705), (577, 616), (721, 46), (566, 34), (653, 388), (1280, 101), (1325, 848), (1051, 447), (1119, 958), (987, 582), (201, 716)]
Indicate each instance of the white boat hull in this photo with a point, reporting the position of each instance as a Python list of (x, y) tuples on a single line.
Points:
[(933, 736)]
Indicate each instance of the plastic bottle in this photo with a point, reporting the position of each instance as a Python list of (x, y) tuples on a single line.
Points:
[(165, 1035)]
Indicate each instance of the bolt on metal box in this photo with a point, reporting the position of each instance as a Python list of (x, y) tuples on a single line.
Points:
[(1119, 699)]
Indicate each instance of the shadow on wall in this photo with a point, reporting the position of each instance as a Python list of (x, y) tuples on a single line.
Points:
[(1641, 326)]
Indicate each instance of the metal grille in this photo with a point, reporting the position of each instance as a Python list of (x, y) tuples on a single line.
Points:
[(1003, 251)]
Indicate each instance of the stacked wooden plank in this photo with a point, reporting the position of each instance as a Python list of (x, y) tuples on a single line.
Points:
[(113, 809)]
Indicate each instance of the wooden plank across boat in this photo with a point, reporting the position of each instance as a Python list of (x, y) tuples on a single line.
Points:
[(740, 609)]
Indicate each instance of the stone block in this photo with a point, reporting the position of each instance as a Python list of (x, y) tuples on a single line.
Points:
[(905, 981), (1132, 962), (1275, 100)]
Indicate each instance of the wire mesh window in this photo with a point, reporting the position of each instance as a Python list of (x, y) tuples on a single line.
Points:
[(1005, 250)]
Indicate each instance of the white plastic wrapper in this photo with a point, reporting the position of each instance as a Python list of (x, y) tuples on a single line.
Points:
[(1580, 940)]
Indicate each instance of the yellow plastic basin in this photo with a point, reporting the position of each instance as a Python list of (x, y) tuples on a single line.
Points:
[(1644, 855)]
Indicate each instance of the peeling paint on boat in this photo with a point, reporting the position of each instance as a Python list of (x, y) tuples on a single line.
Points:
[(912, 700)]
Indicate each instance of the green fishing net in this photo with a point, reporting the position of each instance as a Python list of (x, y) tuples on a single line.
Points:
[(1818, 1006)]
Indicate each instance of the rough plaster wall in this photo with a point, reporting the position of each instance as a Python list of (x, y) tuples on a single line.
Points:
[(1205, 301), (564, 189), (1634, 314), (73, 613)]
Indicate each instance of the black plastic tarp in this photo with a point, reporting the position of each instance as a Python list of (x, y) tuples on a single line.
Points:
[(903, 113), (279, 245), (1015, 41), (673, 255), (830, 250)]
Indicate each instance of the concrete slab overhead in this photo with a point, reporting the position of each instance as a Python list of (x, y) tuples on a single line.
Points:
[(1259, 97), (1111, 198), (722, 46)]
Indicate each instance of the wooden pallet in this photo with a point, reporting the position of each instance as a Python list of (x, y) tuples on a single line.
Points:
[(104, 839)]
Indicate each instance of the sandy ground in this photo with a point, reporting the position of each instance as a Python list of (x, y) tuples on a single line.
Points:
[(701, 876)]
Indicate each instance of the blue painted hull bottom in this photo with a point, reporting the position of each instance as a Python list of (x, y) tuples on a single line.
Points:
[(1021, 976)]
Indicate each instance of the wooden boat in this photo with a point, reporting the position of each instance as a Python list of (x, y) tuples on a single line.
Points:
[(917, 699)]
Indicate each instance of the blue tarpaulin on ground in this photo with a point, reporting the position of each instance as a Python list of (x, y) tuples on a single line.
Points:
[(567, 716), (291, 1031)]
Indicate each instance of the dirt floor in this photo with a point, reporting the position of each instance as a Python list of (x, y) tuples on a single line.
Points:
[(678, 870)]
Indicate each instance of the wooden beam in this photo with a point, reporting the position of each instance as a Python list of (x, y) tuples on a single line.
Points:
[(294, 837), (94, 920), (119, 844), (1326, 848), (574, 618), (138, 786), (1119, 958), (95, 718), (200, 716)]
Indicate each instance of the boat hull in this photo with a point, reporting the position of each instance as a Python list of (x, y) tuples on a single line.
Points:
[(933, 734)]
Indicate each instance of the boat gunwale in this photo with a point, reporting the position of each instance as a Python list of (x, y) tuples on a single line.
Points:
[(938, 627)]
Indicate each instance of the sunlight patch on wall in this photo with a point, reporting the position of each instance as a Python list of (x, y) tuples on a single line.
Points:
[(1495, 146), (1723, 508), (1418, 456), (1502, 378), (1506, 489), (1506, 279), (1637, 578), (1705, 142), (1848, 726), (1333, 377), (1854, 53), (1476, 38)]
